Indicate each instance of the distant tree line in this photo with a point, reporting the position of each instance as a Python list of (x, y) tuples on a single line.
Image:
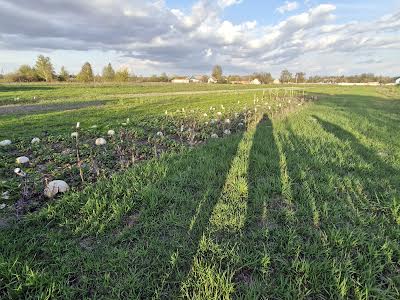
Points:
[(265, 78), (363, 78), (43, 70), (287, 77), (300, 77)]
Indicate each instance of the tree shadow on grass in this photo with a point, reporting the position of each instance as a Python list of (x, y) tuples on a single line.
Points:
[(344, 224), (377, 169), (378, 115), (313, 229)]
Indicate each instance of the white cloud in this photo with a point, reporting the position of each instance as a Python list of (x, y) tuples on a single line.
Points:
[(208, 52), (226, 3), (287, 7), (157, 37)]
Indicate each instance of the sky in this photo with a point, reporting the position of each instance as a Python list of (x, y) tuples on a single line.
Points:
[(337, 37)]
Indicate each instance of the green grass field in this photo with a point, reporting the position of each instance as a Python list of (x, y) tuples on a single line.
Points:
[(303, 204), (61, 92)]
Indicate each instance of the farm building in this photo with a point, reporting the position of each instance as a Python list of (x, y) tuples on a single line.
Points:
[(255, 81), (276, 81), (196, 79), (180, 80), (212, 80), (397, 81)]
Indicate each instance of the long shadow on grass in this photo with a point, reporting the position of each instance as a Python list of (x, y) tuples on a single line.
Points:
[(266, 211), (169, 231), (147, 254), (378, 169), (377, 114), (315, 229), (342, 221), (231, 260), (272, 249), (191, 194)]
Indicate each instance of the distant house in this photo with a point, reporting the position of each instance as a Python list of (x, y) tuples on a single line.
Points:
[(212, 80), (277, 81), (255, 81), (397, 81), (196, 79), (181, 80)]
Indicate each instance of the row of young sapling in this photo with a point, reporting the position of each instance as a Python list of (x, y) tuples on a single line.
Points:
[(51, 165)]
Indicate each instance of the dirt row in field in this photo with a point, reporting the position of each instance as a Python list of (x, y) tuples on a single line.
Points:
[(25, 109)]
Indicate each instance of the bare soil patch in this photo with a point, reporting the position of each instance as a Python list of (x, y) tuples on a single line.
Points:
[(26, 109)]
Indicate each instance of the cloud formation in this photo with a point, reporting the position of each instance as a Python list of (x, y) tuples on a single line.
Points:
[(171, 39), (287, 6)]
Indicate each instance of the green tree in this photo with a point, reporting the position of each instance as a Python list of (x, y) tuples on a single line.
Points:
[(164, 77), (86, 73), (64, 75), (217, 73), (25, 73), (122, 75), (300, 77), (44, 68), (108, 73), (265, 78), (286, 76)]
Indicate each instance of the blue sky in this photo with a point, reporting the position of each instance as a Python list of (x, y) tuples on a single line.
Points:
[(189, 37), (264, 10)]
